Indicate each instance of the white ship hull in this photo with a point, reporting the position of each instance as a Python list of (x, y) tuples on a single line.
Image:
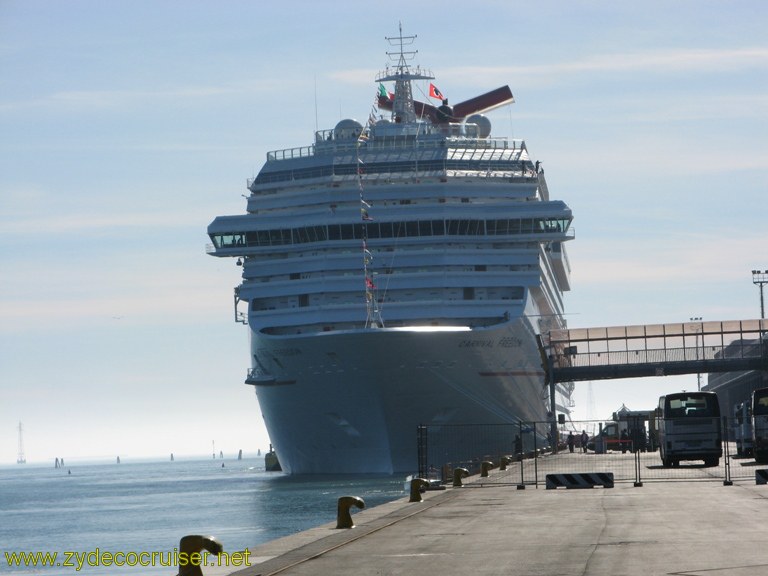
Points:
[(351, 402), (396, 274)]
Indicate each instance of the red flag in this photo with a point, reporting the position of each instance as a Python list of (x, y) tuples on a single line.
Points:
[(434, 92)]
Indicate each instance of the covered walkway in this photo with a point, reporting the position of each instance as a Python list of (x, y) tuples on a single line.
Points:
[(654, 350)]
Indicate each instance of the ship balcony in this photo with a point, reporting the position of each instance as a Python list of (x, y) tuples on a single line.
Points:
[(258, 376)]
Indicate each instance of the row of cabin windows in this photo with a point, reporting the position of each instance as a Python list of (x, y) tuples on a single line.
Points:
[(469, 293), (372, 230), (389, 167)]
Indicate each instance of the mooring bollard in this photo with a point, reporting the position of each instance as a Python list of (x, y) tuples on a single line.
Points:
[(503, 462), (484, 467), (458, 474), (416, 485), (343, 517), (192, 544)]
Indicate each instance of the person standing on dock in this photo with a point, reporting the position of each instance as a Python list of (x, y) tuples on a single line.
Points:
[(584, 440), (571, 440)]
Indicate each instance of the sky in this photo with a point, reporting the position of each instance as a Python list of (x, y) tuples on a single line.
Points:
[(127, 126)]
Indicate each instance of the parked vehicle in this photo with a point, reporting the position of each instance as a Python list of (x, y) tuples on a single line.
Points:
[(688, 427), (759, 407)]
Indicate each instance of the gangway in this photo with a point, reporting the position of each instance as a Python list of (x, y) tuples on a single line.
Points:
[(654, 350), (578, 354)]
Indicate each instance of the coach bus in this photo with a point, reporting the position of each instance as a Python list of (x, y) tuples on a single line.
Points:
[(760, 425), (688, 427)]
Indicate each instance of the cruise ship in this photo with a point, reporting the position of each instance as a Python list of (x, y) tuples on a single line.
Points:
[(396, 272)]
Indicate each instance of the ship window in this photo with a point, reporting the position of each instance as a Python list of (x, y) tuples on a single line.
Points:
[(500, 226), (469, 293), (423, 228), (373, 230), (321, 233), (303, 300), (278, 237), (344, 232), (302, 235)]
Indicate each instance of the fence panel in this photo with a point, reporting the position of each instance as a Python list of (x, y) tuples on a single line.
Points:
[(523, 454)]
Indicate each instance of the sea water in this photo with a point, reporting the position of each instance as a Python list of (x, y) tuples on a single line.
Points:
[(148, 506)]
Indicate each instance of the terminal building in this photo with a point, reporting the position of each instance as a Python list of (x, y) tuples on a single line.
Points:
[(735, 388)]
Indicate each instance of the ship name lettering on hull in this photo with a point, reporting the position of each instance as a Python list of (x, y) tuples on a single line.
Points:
[(506, 342)]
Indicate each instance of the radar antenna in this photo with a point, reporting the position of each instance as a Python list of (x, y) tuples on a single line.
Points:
[(402, 108)]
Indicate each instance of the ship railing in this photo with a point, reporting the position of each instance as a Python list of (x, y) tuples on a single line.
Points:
[(543, 189), (322, 175), (657, 356), (288, 153), (258, 376), (396, 142)]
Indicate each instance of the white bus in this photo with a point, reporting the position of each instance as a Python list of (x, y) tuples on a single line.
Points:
[(688, 427), (760, 425)]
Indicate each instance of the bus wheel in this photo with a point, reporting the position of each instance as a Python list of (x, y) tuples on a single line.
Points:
[(675, 463), (666, 463), (710, 462)]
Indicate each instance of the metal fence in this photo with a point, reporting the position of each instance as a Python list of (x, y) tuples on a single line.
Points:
[(523, 454)]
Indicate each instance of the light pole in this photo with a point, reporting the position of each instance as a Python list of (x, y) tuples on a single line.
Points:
[(760, 279), (698, 374)]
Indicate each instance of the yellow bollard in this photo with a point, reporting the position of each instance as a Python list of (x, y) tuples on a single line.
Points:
[(458, 474), (504, 461), (416, 485), (484, 467), (192, 544), (343, 517)]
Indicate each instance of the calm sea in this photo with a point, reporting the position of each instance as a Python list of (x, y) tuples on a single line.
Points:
[(148, 506)]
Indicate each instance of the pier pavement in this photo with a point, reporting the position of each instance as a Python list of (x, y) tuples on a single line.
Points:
[(691, 528)]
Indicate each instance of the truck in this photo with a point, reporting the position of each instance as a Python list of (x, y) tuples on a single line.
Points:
[(627, 432)]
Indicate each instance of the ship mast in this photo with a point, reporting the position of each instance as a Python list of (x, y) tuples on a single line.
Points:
[(402, 108), (21, 458)]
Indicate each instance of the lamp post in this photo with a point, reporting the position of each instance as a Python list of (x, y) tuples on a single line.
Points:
[(698, 374), (760, 279)]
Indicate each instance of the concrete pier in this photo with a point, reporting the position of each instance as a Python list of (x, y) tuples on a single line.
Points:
[(691, 528)]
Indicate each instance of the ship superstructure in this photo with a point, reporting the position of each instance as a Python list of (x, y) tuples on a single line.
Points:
[(396, 272)]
